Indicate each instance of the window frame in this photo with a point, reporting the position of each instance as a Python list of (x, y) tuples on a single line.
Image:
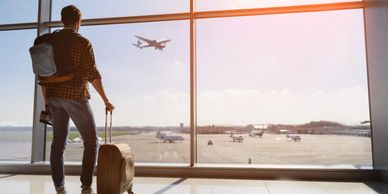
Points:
[(44, 24)]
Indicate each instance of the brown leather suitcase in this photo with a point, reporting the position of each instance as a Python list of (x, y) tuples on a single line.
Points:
[(115, 167)]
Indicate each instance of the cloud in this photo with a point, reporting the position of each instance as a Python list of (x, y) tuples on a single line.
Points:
[(348, 106), (241, 107), (178, 63)]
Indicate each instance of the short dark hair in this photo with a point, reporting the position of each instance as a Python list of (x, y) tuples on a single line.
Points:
[(70, 15)]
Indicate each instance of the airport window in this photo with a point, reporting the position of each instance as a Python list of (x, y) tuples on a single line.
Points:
[(204, 5), (287, 88), (283, 89), (12, 11), (149, 87), (120, 8), (16, 101)]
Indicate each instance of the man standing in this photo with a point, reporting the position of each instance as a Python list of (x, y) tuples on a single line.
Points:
[(70, 99)]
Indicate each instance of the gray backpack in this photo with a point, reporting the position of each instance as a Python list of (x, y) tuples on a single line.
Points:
[(51, 57), (43, 63)]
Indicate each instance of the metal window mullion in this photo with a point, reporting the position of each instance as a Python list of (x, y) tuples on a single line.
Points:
[(38, 134), (20, 26), (126, 20), (369, 88), (279, 10), (193, 87)]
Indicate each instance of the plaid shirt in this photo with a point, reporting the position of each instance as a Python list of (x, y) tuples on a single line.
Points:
[(86, 70)]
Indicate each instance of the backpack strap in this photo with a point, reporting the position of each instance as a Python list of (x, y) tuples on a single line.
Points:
[(56, 79)]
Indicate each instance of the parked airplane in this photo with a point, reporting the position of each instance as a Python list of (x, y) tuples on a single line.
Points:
[(100, 141), (169, 138), (365, 122), (79, 140), (294, 138), (150, 43), (134, 132), (254, 133), (237, 138)]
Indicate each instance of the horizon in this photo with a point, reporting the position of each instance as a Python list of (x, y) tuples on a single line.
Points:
[(203, 125)]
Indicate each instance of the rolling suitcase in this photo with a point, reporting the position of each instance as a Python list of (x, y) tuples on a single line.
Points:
[(115, 167)]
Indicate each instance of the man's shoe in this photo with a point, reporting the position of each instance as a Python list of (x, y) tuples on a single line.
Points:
[(61, 190), (87, 191)]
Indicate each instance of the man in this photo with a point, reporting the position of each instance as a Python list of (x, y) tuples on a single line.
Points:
[(70, 99)]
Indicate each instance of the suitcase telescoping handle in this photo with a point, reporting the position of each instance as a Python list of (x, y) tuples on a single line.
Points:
[(106, 126)]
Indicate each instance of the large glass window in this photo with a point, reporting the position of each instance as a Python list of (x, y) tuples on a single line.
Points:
[(119, 8), (17, 94), (204, 5), (283, 89), (18, 11), (272, 89), (149, 88)]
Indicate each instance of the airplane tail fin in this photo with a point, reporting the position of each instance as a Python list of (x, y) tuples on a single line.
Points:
[(138, 44)]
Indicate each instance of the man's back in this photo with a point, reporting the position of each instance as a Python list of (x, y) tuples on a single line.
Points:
[(81, 55)]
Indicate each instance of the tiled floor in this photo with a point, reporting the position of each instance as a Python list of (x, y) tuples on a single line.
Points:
[(29, 184)]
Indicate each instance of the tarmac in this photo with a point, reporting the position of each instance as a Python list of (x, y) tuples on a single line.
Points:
[(269, 149)]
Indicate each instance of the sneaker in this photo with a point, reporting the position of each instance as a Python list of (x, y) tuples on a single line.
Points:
[(61, 190), (87, 191)]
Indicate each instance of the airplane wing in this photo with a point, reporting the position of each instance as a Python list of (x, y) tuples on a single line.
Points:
[(164, 41), (143, 39), (145, 46)]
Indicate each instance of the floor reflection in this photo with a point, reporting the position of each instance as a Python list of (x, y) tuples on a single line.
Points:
[(37, 184)]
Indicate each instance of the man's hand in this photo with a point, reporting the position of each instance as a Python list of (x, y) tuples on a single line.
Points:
[(109, 106)]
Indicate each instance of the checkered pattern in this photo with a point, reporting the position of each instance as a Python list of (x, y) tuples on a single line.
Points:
[(83, 57)]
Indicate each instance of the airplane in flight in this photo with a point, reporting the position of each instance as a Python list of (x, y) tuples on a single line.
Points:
[(158, 45)]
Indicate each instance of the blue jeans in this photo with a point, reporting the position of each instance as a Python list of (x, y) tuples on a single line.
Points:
[(81, 114)]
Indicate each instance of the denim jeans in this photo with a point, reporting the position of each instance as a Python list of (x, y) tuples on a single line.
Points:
[(80, 113)]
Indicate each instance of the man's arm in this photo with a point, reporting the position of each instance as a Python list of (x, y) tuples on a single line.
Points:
[(92, 74), (97, 84)]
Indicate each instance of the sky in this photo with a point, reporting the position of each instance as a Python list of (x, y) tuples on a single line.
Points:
[(286, 68)]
